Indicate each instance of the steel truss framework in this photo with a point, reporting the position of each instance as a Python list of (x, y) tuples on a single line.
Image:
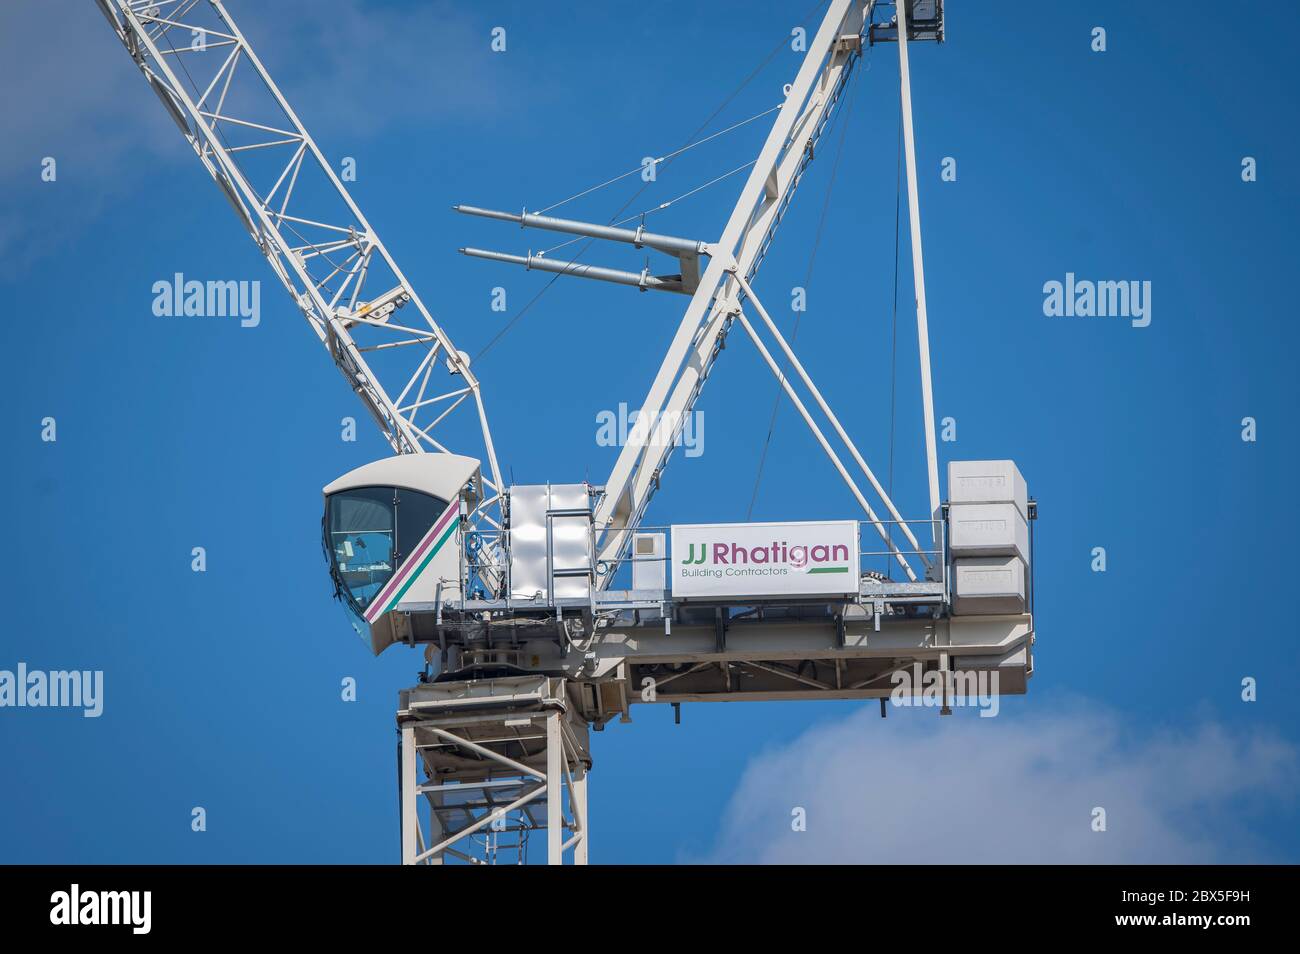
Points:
[(293, 204), (485, 762), (500, 758)]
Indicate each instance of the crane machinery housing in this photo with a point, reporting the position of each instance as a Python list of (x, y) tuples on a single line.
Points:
[(546, 611)]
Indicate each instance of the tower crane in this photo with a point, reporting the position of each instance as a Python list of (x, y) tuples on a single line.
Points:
[(546, 611)]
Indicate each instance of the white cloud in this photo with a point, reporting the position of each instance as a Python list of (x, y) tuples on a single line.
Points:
[(1020, 788), (351, 69), (357, 67), (65, 76)]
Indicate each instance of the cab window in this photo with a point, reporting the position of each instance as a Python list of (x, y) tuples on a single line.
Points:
[(370, 532)]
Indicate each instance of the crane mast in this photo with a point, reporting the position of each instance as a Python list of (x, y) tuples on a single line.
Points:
[(302, 218)]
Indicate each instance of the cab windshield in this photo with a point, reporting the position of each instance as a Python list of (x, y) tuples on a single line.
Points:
[(369, 532)]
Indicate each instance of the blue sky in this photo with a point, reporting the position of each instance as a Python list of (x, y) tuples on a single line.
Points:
[(222, 688)]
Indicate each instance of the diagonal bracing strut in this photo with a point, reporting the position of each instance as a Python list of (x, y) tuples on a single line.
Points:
[(785, 154), (880, 526)]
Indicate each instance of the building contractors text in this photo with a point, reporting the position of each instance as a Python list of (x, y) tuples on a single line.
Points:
[(739, 560)]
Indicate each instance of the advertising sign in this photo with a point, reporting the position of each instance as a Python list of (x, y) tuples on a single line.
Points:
[(765, 560)]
